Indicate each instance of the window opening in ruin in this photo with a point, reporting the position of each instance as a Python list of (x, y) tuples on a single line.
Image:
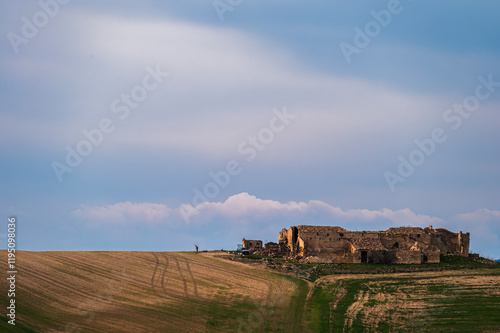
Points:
[(364, 256), (395, 246), (341, 235), (295, 234), (424, 258)]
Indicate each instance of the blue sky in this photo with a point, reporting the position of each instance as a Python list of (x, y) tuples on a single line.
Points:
[(403, 131)]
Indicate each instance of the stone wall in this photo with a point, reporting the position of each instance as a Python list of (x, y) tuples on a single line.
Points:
[(252, 245), (395, 245)]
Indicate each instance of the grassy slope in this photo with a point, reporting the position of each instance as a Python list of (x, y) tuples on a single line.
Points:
[(149, 292), (453, 301)]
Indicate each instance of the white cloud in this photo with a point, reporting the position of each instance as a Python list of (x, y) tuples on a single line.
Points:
[(124, 212), (480, 215), (245, 214), (246, 207)]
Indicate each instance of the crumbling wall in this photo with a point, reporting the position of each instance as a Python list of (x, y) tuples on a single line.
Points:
[(271, 248), (322, 241), (463, 243), (406, 257), (395, 245), (449, 242), (431, 257), (252, 245)]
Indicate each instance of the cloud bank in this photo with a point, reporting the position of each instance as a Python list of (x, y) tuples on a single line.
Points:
[(124, 212), (250, 208), (245, 215)]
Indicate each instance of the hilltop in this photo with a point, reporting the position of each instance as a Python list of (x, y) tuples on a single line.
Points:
[(187, 292), (148, 292)]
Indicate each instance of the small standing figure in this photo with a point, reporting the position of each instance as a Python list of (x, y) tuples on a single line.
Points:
[(196, 246)]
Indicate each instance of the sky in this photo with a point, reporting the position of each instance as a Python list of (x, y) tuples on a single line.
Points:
[(158, 125)]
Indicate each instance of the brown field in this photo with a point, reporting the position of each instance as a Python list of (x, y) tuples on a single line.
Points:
[(145, 292), (206, 292)]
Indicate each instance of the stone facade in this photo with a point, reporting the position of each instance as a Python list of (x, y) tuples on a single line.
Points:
[(395, 245), (252, 245), (271, 248)]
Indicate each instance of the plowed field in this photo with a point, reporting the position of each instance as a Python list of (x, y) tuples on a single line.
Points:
[(187, 292), (148, 292)]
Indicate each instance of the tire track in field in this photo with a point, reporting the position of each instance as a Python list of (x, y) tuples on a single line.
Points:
[(192, 277), (160, 280), (354, 309), (340, 293), (77, 279), (131, 281), (154, 271), (92, 302), (268, 306), (162, 266), (164, 273), (182, 277), (209, 268), (270, 303)]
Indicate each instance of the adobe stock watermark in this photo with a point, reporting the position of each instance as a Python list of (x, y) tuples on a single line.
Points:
[(11, 270), (222, 6), (39, 20), (249, 149), (454, 117), (363, 37), (121, 107)]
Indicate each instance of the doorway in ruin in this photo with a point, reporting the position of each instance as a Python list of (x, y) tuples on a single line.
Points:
[(364, 256), (294, 245)]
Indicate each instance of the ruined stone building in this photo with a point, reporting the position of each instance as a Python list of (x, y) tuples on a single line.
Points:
[(252, 245), (395, 245), (406, 245)]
